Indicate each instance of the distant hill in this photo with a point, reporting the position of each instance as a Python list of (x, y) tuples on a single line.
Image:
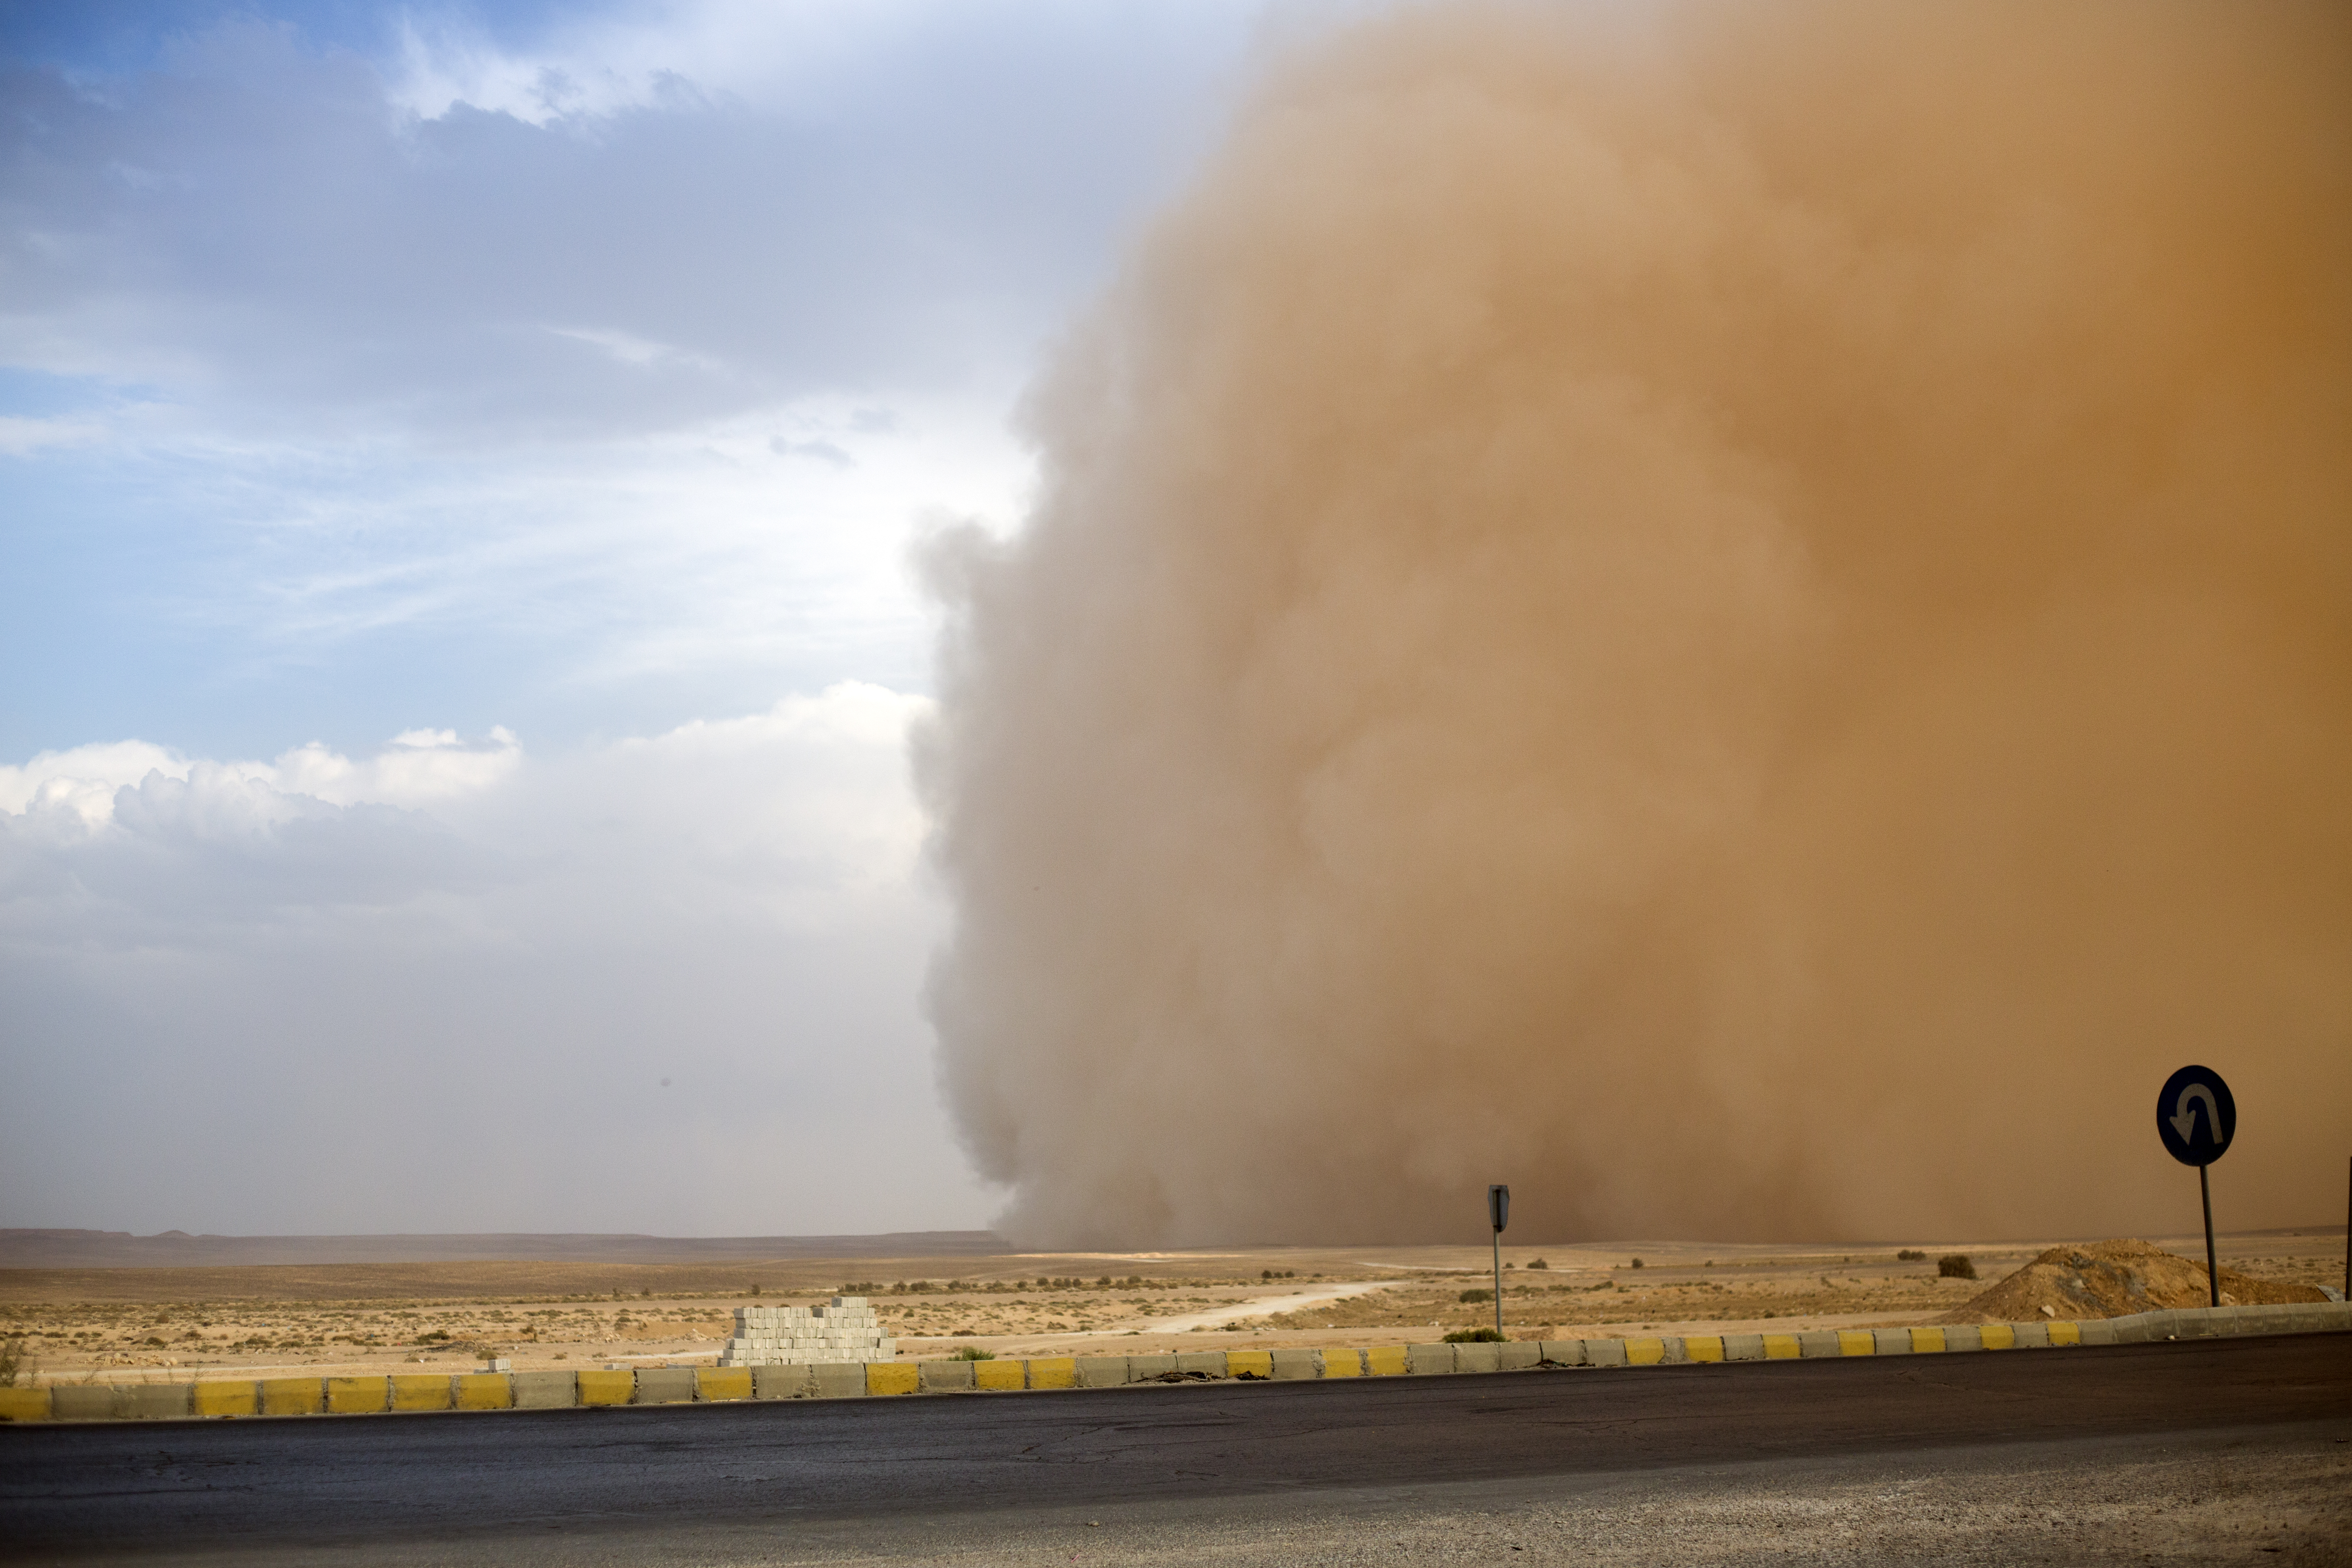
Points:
[(177, 1248)]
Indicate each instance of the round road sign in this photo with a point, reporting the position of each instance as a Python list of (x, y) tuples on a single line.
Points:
[(2195, 1117)]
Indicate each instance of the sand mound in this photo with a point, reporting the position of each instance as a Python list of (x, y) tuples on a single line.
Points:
[(2111, 1279)]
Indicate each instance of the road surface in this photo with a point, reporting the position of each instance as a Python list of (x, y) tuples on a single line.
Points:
[(976, 1478)]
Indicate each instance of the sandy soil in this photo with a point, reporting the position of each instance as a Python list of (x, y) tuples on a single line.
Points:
[(2113, 1278), (118, 1324)]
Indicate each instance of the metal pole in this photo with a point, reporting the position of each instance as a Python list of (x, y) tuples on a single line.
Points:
[(2212, 1271), (2348, 1242), (1499, 1284)]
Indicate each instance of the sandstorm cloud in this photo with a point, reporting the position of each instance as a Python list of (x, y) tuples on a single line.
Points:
[(1740, 619)]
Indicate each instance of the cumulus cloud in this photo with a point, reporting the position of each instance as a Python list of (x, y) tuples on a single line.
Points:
[(436, 985)]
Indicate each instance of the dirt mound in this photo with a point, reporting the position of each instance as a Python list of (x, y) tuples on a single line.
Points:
[(2111, 1279)]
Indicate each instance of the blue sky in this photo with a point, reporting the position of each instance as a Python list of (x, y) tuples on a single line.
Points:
[(294, 313), (457, 471)]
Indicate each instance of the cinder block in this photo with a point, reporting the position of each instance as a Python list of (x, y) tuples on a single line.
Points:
[(1000, 1375), (1210, 1361), (1518, 1355), (484, 1390), (665, 1385), (1644, 1351), (1563, 1352), (603, 1385), (2063, 1332), (1102, 1372), (1996, 1336), (293, 1396), (1387, 1361), (1857, 1341), (1053, 1371), (227, 1398), (1963, 1337), (549, 1390), (1296, 1361), (1782, 1347), (1477, 1357), (890, 1377), (716, 1382), (838, 1379), (82, 1401), (946, 1376), (358, 1396), (1430, 1361), (1926, 1342), (1743, 1347), (1889, 1341), (1819, 1342), (420, 1390), (24, 1404), (1143, 1368), (1604, 1352), (2032, 1336), (1341, 1363), (1707, 1348), (1249, 1363)]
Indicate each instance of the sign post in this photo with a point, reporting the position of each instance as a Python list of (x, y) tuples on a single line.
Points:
[(2195, 1117), (1499, 1210)]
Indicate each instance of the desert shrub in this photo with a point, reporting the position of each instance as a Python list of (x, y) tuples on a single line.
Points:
[(1955, 1266), (1538, 1263), (1910, 1255), (1475, 1296), (973, 1352), (1637, 1263), (1473, 1337), (13, 1364)]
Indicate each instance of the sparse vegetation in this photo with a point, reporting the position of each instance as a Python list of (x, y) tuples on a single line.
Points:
[(1955, 1266), (14, 1366), (1910, 1255), (973, 1352), (1637, 1263), (1475, 1296), (1538, 1263), (1473, 1337)]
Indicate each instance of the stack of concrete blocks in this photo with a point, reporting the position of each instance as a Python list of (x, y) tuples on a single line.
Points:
[(847, 1331)]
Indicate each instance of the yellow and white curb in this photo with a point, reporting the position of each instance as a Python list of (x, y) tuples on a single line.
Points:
[(680, 1386)]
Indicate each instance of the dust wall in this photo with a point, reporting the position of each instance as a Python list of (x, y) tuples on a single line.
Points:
[(1740, 619)]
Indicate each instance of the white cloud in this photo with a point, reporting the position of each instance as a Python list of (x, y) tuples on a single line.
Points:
[(21, 436), (503, 953), (422, 767), (627, 348)]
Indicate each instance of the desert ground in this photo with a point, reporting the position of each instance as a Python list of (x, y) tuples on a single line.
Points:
[(120, 1323)]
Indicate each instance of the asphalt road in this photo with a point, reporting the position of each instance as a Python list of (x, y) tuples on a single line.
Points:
[(602, 1478)]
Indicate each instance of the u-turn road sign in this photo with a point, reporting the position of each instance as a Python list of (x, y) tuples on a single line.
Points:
[(2195, 1115)]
